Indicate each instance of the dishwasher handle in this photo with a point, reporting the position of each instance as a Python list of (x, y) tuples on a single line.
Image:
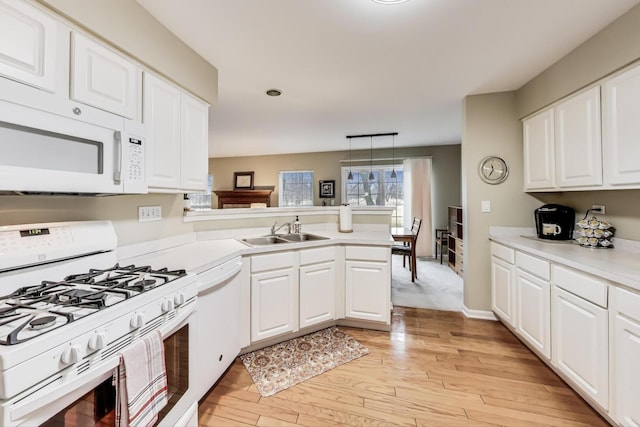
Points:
[(218, 275)]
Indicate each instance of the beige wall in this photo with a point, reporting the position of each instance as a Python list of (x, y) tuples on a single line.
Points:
[(128, 26), (610, 49), (490, 127), (326, 165)]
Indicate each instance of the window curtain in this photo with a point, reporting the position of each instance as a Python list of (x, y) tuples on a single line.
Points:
[(417, 201)]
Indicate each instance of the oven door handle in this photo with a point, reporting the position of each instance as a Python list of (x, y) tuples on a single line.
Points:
[(71, 391)]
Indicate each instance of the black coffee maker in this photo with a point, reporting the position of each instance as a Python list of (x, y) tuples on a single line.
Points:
[(555, 222)]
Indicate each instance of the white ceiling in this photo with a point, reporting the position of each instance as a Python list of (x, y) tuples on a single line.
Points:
[(354, 66)]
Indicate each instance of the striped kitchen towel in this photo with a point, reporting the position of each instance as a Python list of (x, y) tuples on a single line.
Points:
[(142, 383)]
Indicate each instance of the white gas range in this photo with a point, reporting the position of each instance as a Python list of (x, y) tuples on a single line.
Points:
[(67, 310)]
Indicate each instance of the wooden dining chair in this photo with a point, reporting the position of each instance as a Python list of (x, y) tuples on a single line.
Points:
[(406, 248)]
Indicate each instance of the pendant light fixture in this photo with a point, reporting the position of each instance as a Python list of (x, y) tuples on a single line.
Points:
[(350, 176), (371, 176), (393, 157)]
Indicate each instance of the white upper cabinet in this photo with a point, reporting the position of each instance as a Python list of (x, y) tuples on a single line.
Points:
[(27, 45), (577, 139), (621, 129), (194, 162), (102, 78), (539, 154), (162, 121), (177, 128), (562, 145)]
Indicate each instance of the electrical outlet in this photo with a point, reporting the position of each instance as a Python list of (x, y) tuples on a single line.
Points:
[(149, 213), (598, 209)]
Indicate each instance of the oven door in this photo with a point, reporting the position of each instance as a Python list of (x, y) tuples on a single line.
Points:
[(90, 399), (44, 152)]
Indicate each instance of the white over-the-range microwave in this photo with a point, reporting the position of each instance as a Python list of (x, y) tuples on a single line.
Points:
[(46, 152)]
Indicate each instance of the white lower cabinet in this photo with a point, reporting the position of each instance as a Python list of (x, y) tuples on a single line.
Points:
[(533, 312), (580, 343), (274, 295), (367, 283), (625, 315), (503, 296), (317, 286)]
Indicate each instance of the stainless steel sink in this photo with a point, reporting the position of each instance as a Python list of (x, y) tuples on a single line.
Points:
[(264, 240), (302, 237), (280, 238)]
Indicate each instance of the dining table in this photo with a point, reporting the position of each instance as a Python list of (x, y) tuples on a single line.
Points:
[(406, 235)]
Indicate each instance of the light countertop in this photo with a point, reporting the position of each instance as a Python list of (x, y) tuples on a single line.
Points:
[(620, 264), (197, 256)]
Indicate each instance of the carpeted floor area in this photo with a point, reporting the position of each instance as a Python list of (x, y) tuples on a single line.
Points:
[(437, 286)]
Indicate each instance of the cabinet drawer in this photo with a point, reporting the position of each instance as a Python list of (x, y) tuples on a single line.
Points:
[(314, 256), (533, 265), (628, 303), (582, 285), (368, 253), (272, 261), (503, 252)]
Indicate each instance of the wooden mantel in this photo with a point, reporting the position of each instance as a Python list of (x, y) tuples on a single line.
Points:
[(243, 197)]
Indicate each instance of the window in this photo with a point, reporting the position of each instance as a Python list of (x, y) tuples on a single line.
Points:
[(382, 191), (296, 188)]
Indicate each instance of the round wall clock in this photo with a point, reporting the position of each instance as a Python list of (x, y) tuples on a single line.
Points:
[(493, 170)]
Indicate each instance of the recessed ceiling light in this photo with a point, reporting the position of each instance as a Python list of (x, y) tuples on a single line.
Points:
[(390, 1), (273, 92)]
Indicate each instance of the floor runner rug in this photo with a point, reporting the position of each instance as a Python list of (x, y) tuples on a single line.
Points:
[(283, 365)]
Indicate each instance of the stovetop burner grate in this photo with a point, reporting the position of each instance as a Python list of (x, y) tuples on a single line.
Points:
[(31, 311)]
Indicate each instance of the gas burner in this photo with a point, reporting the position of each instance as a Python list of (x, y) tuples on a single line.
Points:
[(81, 297), (142, 285), (42, 322)]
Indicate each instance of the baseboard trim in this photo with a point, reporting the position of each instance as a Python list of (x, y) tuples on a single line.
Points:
[(478, 314)]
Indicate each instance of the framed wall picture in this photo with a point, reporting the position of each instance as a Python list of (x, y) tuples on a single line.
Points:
[(243, 180), (327, 189)]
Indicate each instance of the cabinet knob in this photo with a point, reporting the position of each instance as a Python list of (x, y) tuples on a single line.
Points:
[(76, 111)]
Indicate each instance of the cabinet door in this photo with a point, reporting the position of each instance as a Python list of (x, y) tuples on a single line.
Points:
[(533, 311), (27, 44), (539, 152), (578, 140), (367, 287), (162, 123), (627, 370), (620, 128), (317, 293), (194, 160), (102, 78), (581, 343), (274, 303), (502, 286)]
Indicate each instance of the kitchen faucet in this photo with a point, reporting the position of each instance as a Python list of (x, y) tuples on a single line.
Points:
[(274, 229)]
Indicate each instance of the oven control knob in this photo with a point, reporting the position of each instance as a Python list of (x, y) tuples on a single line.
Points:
[(167, 305), (70, 355), (179, 299), (97, 342), (137, 321)]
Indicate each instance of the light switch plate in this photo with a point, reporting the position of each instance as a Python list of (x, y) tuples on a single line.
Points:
[(486, 205), (149, 213)]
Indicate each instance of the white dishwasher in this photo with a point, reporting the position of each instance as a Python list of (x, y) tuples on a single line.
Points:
[(218, 320)]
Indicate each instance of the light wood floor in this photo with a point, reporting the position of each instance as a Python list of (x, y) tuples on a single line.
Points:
[(434, 368)]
